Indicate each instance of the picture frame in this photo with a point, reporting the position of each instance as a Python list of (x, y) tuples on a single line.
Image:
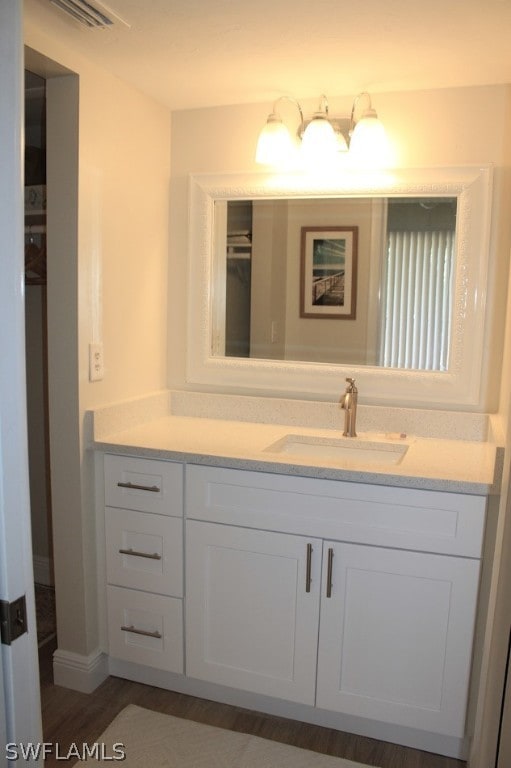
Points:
[(328, 276)]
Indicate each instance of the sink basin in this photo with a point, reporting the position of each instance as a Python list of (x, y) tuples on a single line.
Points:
[(340, 449)]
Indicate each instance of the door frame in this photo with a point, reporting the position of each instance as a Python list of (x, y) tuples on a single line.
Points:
[(21, 693)]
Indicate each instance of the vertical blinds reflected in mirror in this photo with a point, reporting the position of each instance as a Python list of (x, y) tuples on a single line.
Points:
[(418, 276)]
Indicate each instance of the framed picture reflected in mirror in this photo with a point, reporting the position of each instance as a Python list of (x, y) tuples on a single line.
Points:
[(328, 284)]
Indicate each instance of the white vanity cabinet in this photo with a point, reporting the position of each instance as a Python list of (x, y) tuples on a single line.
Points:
[(358, 599), (345, 604), (253, 609), (144, 561), (395, 637)]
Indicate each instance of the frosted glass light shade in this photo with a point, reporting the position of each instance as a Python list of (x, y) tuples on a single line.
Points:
[(319, 141), (369, 145), (275, 145)]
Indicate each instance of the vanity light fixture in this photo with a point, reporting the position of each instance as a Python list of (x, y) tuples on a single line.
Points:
[(323, 138)]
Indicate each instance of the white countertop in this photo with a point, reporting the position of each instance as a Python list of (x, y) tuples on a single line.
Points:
[(457, 465)]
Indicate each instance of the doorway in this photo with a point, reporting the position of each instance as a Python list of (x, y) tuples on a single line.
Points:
[(63, 424), (36, 354)]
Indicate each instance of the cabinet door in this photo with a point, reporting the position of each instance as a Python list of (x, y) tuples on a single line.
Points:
[(251, 611), (396, 636)]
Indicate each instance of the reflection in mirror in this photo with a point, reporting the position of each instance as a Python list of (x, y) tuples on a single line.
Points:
[(397, 254)]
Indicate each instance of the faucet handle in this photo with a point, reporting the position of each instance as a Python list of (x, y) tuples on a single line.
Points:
[(351, 383)]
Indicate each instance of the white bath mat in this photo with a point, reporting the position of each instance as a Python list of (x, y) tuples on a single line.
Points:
[(153, 740)]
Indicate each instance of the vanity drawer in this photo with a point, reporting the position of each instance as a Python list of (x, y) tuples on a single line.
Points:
[(144, 551), (144, 484), (145, 629), (431, 521)]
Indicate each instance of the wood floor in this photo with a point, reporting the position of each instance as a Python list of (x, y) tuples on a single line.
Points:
[(72, 717)]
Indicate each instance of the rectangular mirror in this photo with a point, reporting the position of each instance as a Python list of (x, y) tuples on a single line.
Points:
[(295, 283), (348, 281)]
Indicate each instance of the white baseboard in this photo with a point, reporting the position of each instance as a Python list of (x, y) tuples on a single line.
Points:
[(80, 673), (43, 570)]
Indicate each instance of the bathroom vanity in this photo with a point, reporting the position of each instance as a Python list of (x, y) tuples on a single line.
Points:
[(249, 553), (333, 589)]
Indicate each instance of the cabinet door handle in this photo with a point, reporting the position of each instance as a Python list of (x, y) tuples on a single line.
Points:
[(329, 572), (136, 553), (135, 487), (144, 632), (308, 569)]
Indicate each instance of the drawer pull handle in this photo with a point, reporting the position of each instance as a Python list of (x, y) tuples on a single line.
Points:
[(308, 569), (135, 553), (135, 487), (329, 572), (144, 632)]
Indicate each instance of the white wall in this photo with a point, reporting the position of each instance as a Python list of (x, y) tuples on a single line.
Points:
[(428, 128), (107, 281)]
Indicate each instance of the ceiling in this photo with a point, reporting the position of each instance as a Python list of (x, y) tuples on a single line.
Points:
[(199, 53)]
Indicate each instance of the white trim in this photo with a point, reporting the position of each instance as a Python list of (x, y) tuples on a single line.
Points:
[(80, 673)]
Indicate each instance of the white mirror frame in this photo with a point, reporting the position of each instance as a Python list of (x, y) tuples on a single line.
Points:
[(459, 387)]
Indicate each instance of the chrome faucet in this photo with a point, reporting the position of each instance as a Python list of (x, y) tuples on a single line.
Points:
[(349, 404)]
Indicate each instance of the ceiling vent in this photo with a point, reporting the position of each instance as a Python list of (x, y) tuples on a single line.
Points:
[(95, 16)]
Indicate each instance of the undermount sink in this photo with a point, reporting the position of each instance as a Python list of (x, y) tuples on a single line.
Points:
[(343, 448)]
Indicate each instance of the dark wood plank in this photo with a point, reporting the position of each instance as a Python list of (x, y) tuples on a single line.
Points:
[(73, 717)]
